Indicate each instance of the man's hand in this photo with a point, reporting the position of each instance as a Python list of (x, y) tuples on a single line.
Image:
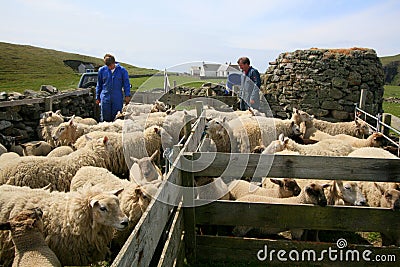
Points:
[(251, 101), (97, 101), (127, 100)]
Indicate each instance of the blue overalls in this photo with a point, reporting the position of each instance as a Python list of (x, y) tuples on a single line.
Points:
[(109, 91)]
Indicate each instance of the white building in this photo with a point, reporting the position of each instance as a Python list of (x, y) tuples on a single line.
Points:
[(195, 70), (225, 69)]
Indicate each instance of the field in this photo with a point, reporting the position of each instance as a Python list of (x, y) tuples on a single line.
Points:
[(392, 107), (27, 67)]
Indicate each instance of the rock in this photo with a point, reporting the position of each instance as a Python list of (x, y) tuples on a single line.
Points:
[(49, 88), (4, 125)]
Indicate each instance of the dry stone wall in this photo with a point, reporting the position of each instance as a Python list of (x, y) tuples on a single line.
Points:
[(324, 82)]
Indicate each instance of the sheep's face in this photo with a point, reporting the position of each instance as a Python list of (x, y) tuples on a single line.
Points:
[(288, 187), (214, 126), (351, 194), (299, 116), (377, 139), (106, 210), (391, 199), (27, 220), (362, 128), (315, 194), (61, 132), (274, 146)]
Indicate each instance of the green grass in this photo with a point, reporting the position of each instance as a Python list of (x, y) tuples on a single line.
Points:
[(389, 107), (27, 67), (386, 60)]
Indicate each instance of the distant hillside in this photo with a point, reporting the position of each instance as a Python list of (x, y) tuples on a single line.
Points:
[(28, 67), (391, 67)]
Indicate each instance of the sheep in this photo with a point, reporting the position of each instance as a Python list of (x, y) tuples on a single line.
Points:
[(144, 170), (248, 131), (310, 132), (37, 172), (286, 188), (356, 128), (140, 108), (374, 140), (312, 194), (218, 130), (36, 148), (2, 149), (347, 194), (207, 145), (372, 152), (68, 132), (328, 147), (47, 123), (27, 235), (133, 200), (78, 226), (60, 151), (211, 188)]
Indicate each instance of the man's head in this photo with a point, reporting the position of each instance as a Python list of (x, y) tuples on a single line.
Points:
[(109, 60), (244, 63)]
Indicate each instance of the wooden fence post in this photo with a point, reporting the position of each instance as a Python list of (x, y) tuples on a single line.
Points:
[(387, 119), (188, 213), (199, 108), (363, 96), (48, 104)]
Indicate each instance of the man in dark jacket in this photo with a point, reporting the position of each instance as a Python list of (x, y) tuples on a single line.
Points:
[(250, 86), (112, 85)]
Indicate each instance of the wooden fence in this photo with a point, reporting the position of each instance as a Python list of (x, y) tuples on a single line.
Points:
[(166, 234)]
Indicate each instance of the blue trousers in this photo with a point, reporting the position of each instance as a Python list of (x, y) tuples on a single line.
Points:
[(109, 110)]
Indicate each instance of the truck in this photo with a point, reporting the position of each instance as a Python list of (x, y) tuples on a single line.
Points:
[(87, 80)]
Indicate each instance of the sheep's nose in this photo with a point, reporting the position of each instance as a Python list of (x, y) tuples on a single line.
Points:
[(296, 192), (323, 203)]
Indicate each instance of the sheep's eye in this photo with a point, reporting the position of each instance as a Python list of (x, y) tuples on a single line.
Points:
[(347, 187), (102, 208)]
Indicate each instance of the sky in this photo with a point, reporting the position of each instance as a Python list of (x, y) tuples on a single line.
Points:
[(162, 34)]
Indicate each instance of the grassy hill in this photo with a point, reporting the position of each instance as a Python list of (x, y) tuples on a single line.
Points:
[(391, 66), (28, 67)]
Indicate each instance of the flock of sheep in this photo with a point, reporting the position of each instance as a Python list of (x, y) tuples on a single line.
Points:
[(80, 191)]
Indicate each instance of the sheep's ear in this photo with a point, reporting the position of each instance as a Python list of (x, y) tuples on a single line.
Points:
[(88, 138), (93, 202), (224, 120), (47, 187), (71, 121), (295, 110), (357, 123), (58, 112), (117, 192), (380, 188), (277, 181), (326, 185), (23, 145), (135, 160), (156, 130), (37, 145), (281, 137), (5, 226), (292, 124), (154, 155)]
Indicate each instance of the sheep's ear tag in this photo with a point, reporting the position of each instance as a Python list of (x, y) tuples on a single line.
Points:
[(93, 202)]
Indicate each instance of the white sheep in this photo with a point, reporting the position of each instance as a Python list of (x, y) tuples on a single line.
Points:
[(211, 188), (48, 122), (345, 193), (207, 145), (286, 188), (133, 200), (78, 226), (374, 140), (328, 147), (310, 132), (356, 128), (221, 134), (60, 151), (311, 194), (27, 235), (68, 132), (37, 172), (372, 152), (36, 148), (144, 170), (140, 108)]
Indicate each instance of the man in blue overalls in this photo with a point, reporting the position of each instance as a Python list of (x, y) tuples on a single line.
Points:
[(250, 86), (112, 85)]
